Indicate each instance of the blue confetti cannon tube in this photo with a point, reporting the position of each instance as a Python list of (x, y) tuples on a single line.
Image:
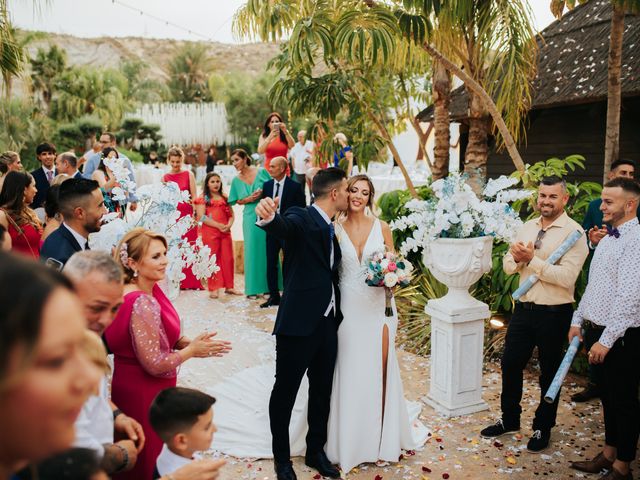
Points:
[(564, 247), (554, 388)]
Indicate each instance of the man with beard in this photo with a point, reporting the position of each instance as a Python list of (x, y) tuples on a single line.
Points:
[(81, 204), (543, 315), (610, 308)]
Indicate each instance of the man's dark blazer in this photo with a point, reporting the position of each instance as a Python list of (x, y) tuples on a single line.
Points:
[(293, 194), (42, 184), (308, 275), (60, 245)]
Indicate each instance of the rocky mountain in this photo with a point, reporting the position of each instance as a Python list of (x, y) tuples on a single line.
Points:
[(250, 58)]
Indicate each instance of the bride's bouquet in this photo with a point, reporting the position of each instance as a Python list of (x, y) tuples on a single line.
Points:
[(388, 270)]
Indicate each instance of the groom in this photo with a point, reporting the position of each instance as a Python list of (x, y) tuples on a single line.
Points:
[(308, 317)]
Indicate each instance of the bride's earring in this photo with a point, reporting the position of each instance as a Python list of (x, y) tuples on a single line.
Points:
[(135, 273)]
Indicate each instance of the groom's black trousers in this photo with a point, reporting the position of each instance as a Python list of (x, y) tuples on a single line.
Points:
[(316, 355)]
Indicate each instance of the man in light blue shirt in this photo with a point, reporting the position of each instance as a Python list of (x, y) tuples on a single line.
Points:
[(108, 139)]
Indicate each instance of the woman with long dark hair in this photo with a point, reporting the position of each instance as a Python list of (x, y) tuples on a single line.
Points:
[(275, 140), (45, 377), (25, 230), (246, 189)]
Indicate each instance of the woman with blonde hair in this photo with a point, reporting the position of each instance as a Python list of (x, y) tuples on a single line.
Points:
[(146, 341), (9, 162), (186, 181)]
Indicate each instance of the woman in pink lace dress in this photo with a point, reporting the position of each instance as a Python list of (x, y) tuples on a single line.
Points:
[(146, 341), (187, 183)]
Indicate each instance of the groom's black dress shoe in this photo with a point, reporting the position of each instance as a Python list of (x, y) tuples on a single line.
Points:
[(272, 302), (284, 471), (321, 463)]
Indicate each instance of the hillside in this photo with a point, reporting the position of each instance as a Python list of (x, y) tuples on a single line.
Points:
[(250, 58)]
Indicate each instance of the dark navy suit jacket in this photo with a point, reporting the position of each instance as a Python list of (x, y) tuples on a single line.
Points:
[(60, 245), (308, 275), (293, 194), (42, 184)]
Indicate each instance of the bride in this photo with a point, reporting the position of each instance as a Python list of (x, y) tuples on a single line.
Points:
[(370, 420)]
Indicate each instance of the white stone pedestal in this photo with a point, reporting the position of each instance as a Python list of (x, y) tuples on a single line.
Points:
[(457, 342)]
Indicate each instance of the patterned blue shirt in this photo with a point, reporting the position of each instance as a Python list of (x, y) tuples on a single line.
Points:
[(612, 297)]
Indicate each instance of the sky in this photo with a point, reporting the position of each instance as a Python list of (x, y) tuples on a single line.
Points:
[(178, 19)]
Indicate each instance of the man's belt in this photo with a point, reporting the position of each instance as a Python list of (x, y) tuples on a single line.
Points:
[(588, 324), (565, 307)]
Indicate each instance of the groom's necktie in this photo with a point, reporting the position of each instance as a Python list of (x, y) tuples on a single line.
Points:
[(332, 234)]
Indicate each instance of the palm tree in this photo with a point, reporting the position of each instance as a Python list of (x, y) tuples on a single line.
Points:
[(87, 91), (491, 47), (45, 68), (341, 56), (11, 52), (614, 85), (189, 72)]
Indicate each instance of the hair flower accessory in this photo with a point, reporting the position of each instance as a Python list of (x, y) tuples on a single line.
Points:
[(124, 254)]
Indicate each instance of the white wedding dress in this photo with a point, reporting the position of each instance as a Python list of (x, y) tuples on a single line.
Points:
[(358, 431)]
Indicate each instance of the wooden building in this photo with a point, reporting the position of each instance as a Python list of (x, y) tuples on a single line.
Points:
[(568, 113)]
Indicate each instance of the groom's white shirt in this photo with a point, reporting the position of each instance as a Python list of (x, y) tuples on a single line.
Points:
[(326, 218)]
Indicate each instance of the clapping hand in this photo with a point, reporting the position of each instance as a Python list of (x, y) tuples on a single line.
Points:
[(267, 207), (522, 253), (596, 234), (204, 347), (130, 429)]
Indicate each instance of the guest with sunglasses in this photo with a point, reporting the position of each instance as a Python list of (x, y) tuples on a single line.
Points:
[(543, 315)]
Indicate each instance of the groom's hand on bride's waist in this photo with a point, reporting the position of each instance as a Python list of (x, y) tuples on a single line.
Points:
[(266, 210)]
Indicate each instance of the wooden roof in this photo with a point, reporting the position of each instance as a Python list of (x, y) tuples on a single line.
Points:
[(572, 61)]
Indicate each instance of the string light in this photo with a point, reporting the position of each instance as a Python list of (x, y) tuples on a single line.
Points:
[(164, 20)]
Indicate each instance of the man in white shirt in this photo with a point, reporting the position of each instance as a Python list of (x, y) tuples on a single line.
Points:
[(98, 281), (610, 307), (301, 156), (108, 139)]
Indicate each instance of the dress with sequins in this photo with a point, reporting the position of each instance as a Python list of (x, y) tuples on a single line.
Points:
[(142, 337)]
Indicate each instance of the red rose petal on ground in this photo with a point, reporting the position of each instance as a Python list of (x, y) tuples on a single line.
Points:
[(378, 477), (426, 469), (317, 476), (497, 444), (445, 476)]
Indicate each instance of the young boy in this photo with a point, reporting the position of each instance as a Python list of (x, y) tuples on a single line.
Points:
[(183, 419)]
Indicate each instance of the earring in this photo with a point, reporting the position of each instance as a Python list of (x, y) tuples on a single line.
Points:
[(135, 273)]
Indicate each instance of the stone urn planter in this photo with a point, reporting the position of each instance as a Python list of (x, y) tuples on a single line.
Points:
[(457, 324), (458, 263)]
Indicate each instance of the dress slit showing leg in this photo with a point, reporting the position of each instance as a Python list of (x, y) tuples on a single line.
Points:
[(385, 360)]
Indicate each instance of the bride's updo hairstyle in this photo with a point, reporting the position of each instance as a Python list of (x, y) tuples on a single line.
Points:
[(372, 190), (134, 245)]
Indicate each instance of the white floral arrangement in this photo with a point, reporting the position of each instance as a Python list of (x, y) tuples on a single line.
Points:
[(125, 187), (455, 211), (158, 205)]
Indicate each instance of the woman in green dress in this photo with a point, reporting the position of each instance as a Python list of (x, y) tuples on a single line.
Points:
[(246, 190)]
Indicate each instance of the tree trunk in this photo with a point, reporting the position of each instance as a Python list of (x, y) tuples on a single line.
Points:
[(475, 160), (423, 138), (385, 134), (441, 99), (486, 100), (614, 90)]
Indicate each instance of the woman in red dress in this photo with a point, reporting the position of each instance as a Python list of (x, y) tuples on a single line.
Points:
[(187, 183), (216, 216), (21, 222), (146, 341), (275, 140)]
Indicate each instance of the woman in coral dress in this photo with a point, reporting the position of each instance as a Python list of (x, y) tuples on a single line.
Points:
[(146, 341), (187, 183), (275, 140), (20, 221), (213, 210)]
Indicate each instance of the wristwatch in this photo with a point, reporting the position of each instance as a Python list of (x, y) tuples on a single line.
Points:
[(117, 412)]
